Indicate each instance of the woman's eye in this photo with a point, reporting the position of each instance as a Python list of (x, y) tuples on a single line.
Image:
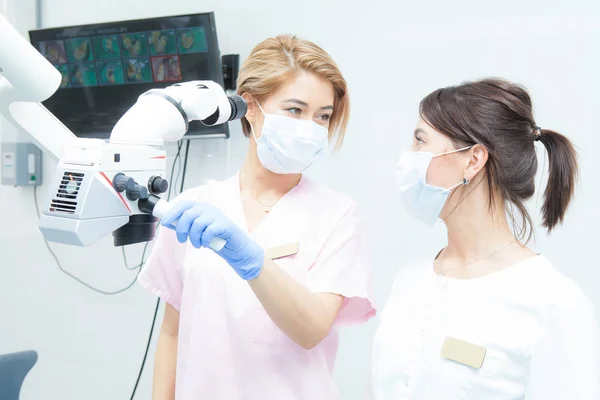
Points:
[(418, 139), (295, 110), (325, 117)]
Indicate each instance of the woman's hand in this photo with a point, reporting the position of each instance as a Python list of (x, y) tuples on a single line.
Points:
[(201, 222), (303, 316)]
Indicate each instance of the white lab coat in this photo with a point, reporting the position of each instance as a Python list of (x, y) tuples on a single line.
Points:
[(539, 331)]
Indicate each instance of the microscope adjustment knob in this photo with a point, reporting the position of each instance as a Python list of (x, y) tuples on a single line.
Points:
[(137, 192), (121, 182), (158, 185)]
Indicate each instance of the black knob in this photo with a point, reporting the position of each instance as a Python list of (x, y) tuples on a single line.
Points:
[(137, 192), (147, 205), (158, 185), (122, 182)]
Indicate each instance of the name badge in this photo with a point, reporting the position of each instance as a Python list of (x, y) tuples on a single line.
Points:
[(283, 251), (463, 352)]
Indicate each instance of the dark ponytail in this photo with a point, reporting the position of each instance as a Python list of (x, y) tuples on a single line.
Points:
[(562, 175), (498, 115)]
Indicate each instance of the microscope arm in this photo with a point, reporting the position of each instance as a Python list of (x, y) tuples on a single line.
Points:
[(26, 79)]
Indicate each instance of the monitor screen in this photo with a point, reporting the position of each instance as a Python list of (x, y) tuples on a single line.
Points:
[(106, 67)]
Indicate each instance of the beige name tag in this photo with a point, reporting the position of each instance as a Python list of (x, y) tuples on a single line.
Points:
[(463, 352), (283, 251)]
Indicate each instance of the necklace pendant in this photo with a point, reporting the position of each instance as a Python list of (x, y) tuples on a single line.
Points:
[(267, 210)]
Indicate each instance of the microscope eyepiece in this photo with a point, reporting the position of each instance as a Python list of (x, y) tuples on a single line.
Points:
[(238, 107)]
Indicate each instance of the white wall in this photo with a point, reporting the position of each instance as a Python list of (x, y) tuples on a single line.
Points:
[(392, 53)]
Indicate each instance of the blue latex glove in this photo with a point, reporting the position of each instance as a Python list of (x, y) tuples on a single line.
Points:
[(201, 222)]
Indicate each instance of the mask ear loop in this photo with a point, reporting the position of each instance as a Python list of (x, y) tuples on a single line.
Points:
[(464, 182), (253, 134), (452, 152), (261, 109), (252, 131), (251, 127)]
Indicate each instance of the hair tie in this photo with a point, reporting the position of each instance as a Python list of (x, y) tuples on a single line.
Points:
[(538, 132)]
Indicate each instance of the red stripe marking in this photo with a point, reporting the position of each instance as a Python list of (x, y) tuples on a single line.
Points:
[(119, 194), (158, 157)]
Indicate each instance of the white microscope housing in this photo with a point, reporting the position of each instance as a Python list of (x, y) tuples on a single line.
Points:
[(103, 187)]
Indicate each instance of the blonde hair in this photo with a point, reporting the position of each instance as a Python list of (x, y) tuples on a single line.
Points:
[(275, 60)]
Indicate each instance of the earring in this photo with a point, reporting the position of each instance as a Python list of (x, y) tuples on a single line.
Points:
[(465, 181)]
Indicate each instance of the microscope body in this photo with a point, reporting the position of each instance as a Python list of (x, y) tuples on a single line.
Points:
[(98, 186), (95, 191)]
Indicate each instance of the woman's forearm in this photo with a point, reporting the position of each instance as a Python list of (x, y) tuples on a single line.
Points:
[(165, 362), (163, 387), (304, 316)]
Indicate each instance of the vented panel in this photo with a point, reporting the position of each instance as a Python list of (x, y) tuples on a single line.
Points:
[(66, 196)]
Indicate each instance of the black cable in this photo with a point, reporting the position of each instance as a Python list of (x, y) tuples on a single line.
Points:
[(185, 160), (137, 381), (177, 157), (60, 267), (171, 185), (142, 262), (176, 161)]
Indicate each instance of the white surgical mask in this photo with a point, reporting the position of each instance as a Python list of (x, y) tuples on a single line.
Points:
[(423, 201), (288, 145)]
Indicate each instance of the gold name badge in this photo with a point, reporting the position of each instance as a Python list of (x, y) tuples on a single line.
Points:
[(463, 352), (283, 251)]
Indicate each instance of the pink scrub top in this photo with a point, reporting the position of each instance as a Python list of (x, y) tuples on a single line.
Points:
[(228, 346)]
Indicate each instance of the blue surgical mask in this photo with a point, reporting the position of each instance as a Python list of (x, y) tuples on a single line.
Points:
[(423, 201)]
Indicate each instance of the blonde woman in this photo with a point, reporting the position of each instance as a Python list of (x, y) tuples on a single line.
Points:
[(259, 319)]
